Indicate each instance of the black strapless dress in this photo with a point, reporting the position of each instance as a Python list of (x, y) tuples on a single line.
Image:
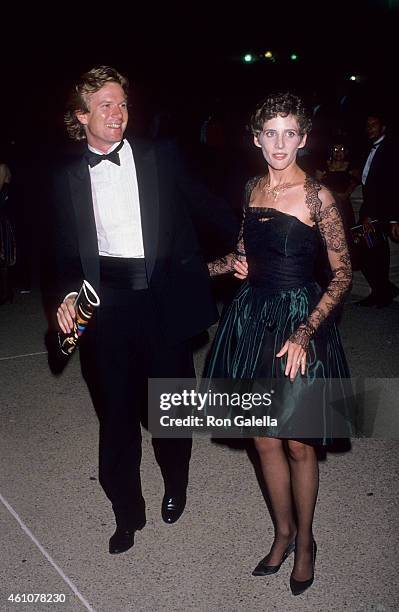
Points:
[(278, 295)]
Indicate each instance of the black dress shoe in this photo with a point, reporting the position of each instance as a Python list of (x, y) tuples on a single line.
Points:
[(262, 569), (370, 300), (173, 507), (299, 586), (387, 299), (384, 302), (121, 540)]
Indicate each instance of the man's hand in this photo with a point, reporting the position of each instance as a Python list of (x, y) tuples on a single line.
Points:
[(66, 315), (394, 231), (241, 269), (367, 226), (296, 359)]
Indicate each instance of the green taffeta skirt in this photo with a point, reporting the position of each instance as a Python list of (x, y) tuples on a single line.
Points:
[(317, 407)]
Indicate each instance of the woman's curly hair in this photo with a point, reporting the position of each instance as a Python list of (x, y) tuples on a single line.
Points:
[(88, 83), (283, 104)]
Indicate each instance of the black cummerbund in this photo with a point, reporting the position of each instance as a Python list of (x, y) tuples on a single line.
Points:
[(123, 273)]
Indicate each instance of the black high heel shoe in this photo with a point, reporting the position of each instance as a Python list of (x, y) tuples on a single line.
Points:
[(299, 586), (262, 569)]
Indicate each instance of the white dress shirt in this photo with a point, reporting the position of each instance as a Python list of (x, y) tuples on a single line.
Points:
[(116, 205), (367, 165)]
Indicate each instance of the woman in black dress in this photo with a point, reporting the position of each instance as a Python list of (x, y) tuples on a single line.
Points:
[(280, 325), (341, 179)]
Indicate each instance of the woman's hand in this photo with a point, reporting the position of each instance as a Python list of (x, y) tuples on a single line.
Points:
[(66, 315), (296, 359), (241, 269)]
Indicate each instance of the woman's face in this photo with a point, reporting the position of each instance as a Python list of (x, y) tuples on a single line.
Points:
[(338, 152), (280, 141)]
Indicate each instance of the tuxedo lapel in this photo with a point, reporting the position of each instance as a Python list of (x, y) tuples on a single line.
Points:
[(147, 179), (375, 162), (79, 180)]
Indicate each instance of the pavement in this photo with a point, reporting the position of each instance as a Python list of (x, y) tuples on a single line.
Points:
[(55, 521)]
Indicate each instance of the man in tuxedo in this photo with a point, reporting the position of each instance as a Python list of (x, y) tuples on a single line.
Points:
[(379, 204), (121, 224)]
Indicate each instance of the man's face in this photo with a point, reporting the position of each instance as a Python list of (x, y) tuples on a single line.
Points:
[(106, 120), (375, 128), (280, 141)]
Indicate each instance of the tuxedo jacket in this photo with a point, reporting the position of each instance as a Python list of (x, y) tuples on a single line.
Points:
[(177, 275), (380, 198)]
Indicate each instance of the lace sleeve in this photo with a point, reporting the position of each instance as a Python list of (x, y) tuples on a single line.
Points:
[(225, 264), (325, 214)]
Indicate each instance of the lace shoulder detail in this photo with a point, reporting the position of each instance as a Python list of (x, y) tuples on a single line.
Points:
[(249, 187), (313, 202)]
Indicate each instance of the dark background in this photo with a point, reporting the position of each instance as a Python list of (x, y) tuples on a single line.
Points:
[(185, 58), (184, 62)]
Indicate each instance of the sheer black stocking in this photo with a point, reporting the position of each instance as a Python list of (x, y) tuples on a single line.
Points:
[(304, 482), (276, 473), (290, 471)]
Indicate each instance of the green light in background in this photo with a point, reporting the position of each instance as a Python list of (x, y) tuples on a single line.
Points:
[(248, 58), (294, 57)]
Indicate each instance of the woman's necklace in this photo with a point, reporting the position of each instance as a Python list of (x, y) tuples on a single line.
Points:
[(274, 192)]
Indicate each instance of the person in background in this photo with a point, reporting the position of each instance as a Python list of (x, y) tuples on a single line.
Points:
[(380, 207), (340, 178), (7, 236)]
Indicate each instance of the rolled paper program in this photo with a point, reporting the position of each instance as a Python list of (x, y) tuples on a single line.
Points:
[(85, 304)]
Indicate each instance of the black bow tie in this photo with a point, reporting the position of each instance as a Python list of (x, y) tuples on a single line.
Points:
[(94, 158)]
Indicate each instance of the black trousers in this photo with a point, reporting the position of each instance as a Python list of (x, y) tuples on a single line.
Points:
[(121, 348), (375, 267)]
